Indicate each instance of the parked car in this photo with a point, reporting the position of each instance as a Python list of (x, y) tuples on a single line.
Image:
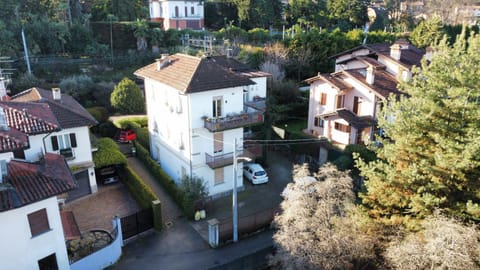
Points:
[(255, 173), (108, 175), (126, 135)]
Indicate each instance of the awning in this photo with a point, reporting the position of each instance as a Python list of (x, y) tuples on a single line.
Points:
[(69, 224), (355, 121)]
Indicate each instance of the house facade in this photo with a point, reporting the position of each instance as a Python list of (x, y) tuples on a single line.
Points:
[(177, 14), (32, 233), (197, 109), (344, 105), (52, 123)]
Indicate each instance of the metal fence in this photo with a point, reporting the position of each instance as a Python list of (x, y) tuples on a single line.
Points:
[(247, 224), (137, 223)]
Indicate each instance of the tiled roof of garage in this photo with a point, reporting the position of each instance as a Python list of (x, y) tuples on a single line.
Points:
[(27, 182)]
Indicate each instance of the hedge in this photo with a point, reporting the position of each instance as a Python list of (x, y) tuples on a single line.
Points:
[(163, 178), (140, 191), (108, 154)]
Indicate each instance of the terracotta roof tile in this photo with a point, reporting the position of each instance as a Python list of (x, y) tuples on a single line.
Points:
[(11, 140), (355, 121), (31, 182), (333, 80), (190, 74), (29, 118), (384, 83)]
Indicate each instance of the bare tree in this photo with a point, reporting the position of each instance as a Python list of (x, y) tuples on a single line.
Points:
[(320, 226), (443, 244)]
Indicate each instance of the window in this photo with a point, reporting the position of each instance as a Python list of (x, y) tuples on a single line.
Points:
[(19, 153), (219, 178), (217, 107), (38, 222), (48, 263), (217, 142), (186, 12), (64, 141), (323, 98), (357, 105), (176, 12), (340, 101), (342, 127), (192, 10), (318, 121)]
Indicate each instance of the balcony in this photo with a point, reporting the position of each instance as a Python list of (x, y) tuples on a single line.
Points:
[(233, 121), (218, 161)]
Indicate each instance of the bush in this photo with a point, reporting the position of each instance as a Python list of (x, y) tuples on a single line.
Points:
[(140, 191), (344, 162), (79, 87), (99, 113), (108, 153), (363, 152), (25, 81), (106, 129), (194, 194), (127, 97)]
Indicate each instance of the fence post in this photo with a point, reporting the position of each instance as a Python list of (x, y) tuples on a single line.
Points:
[(157, 215), (213, 232), (116, 222)]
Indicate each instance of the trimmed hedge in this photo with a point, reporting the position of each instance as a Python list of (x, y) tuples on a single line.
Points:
[(108, 154), (140, 191), (164, 179)]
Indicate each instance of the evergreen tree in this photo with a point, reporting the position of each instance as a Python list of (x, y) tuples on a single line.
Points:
[(127, 97), (430, 154)]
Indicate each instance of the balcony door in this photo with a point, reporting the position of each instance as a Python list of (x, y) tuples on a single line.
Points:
[(217, 143), (217, 107)]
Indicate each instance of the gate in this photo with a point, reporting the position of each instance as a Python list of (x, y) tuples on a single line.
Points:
[(137, 223), (83, 186)]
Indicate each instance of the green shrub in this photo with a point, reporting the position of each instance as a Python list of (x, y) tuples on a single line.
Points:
[(140, 191), (108, 153), (78, 86), (193, 192), (99, 113), (344, 162), (107, 129), (363, 152)]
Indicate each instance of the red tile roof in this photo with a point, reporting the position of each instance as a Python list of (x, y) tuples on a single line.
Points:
[(190, 74), (12, 139), (27, 182), (70, 226), (29, 118), (333, 80), (383, 85)]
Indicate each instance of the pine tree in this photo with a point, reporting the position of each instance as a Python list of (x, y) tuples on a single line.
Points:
[(430, 158)]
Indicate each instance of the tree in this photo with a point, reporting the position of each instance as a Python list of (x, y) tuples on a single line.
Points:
[(194, 192), (354, 12), (127, 97), (319, 227), (429, 154), (443, 244), (427, 33)]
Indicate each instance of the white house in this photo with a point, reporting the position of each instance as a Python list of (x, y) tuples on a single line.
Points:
[(178, 15), (197, 107), (343, 106), (32, 233), (53, 123)]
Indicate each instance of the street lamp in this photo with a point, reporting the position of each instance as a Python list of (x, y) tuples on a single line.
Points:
[(234, 193)]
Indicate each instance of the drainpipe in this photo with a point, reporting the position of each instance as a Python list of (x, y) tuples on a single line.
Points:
[(43, 140), (190, 137)]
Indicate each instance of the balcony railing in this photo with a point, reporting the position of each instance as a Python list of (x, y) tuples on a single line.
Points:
[(218, 161), (234, 121)]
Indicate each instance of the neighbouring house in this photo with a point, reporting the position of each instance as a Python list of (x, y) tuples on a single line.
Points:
[(343, 105), (197, 108), (179, 15), (32, 233), (52, 123)]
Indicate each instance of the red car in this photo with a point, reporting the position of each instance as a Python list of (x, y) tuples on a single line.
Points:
[(126, 135)]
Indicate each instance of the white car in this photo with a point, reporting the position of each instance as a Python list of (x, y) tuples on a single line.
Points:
[(255, 173)]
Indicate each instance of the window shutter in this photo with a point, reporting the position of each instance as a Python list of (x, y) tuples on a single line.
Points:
[(73, 140), (38, 222), (54, 143)]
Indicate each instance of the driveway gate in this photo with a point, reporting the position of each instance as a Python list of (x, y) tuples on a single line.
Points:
[(137, 223)]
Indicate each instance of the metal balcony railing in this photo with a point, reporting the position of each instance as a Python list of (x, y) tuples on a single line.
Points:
[(233, 121)]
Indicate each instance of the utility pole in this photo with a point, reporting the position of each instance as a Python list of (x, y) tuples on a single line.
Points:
[(25, 49)]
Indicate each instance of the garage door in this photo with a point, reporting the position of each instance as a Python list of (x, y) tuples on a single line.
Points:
[(83, 186)]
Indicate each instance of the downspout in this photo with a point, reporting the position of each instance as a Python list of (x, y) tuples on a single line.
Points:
[(190, 137), (44, 145)]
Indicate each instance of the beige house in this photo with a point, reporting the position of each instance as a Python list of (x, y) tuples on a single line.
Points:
[(343, 105)]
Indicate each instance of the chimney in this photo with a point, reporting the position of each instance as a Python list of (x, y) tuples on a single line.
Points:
[(370, 76), (396, 51), (56, 93), (162, 61)]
